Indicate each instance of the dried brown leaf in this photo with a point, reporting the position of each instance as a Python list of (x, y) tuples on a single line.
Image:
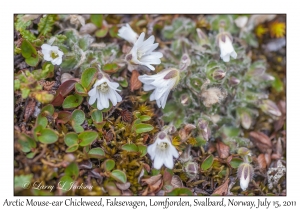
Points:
[(222, 189), (176, 182), (122, 186), (261, 161), (156, 186), (223, 149), (29, 110), (135, 83), (260, 140), (48, 85), (152, 180)]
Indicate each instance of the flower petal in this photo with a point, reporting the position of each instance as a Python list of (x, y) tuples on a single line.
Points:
[(158, 162), (168, 161)]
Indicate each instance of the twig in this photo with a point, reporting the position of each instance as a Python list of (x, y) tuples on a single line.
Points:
[(23, 112), (41, 154)]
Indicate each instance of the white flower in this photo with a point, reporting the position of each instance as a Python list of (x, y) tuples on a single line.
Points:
[(162, 151), (161, 83), (52, 53), (241, 21), (225, 44), (128, 34), (103, 91), (142, 52), (245, 174)]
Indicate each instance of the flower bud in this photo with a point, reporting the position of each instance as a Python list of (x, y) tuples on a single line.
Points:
[(242, 151), (245, 174), (201, 34), (185, 156), (204, 129), (270, 108), (246, 119), (219, 74), (184, 132), (191, 169), (185, 99), (234, 81), (184, 62)]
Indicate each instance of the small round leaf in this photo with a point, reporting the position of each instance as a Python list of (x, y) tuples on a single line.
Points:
[(72, 101), (87, 137), (88, 77), (119, 176), (47, 136), (130, 148), (207, 163), (97, 153), (71, 139)]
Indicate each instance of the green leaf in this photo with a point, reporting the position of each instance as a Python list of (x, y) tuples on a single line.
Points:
[(180, 191), (144, 118), (31, 61), (25, 92), (88, 77), (36, 131), (113, 31), (207, 163), (142, 128), (65, 183), (47, 136), (124, 83), (46, 24), (97, 20), (78, 116), (21, 23), (28, 35), (77, 128), (101, 32), (71, 139), (87, 137), (80, 90), (109, 164), (72, 101), (19, 181), (48, 109), (277, 84), (235, 162), (30, 155), (17, 84), (97, 116), (72, 170), (72, 148), (41, 120), (26, 143), (97, 153), (142, 150), (27, 49), (110, 68), (130, 148), (119, 176)]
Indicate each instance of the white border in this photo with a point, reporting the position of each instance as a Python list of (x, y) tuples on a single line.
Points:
[(8, 8)]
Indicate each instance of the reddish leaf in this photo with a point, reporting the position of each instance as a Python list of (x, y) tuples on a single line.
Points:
[(58, 100), (63, 117), (135, 83), (223, 149), (261, 161), (65, 88), (222, 189), (260, 140), (29, 110)]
